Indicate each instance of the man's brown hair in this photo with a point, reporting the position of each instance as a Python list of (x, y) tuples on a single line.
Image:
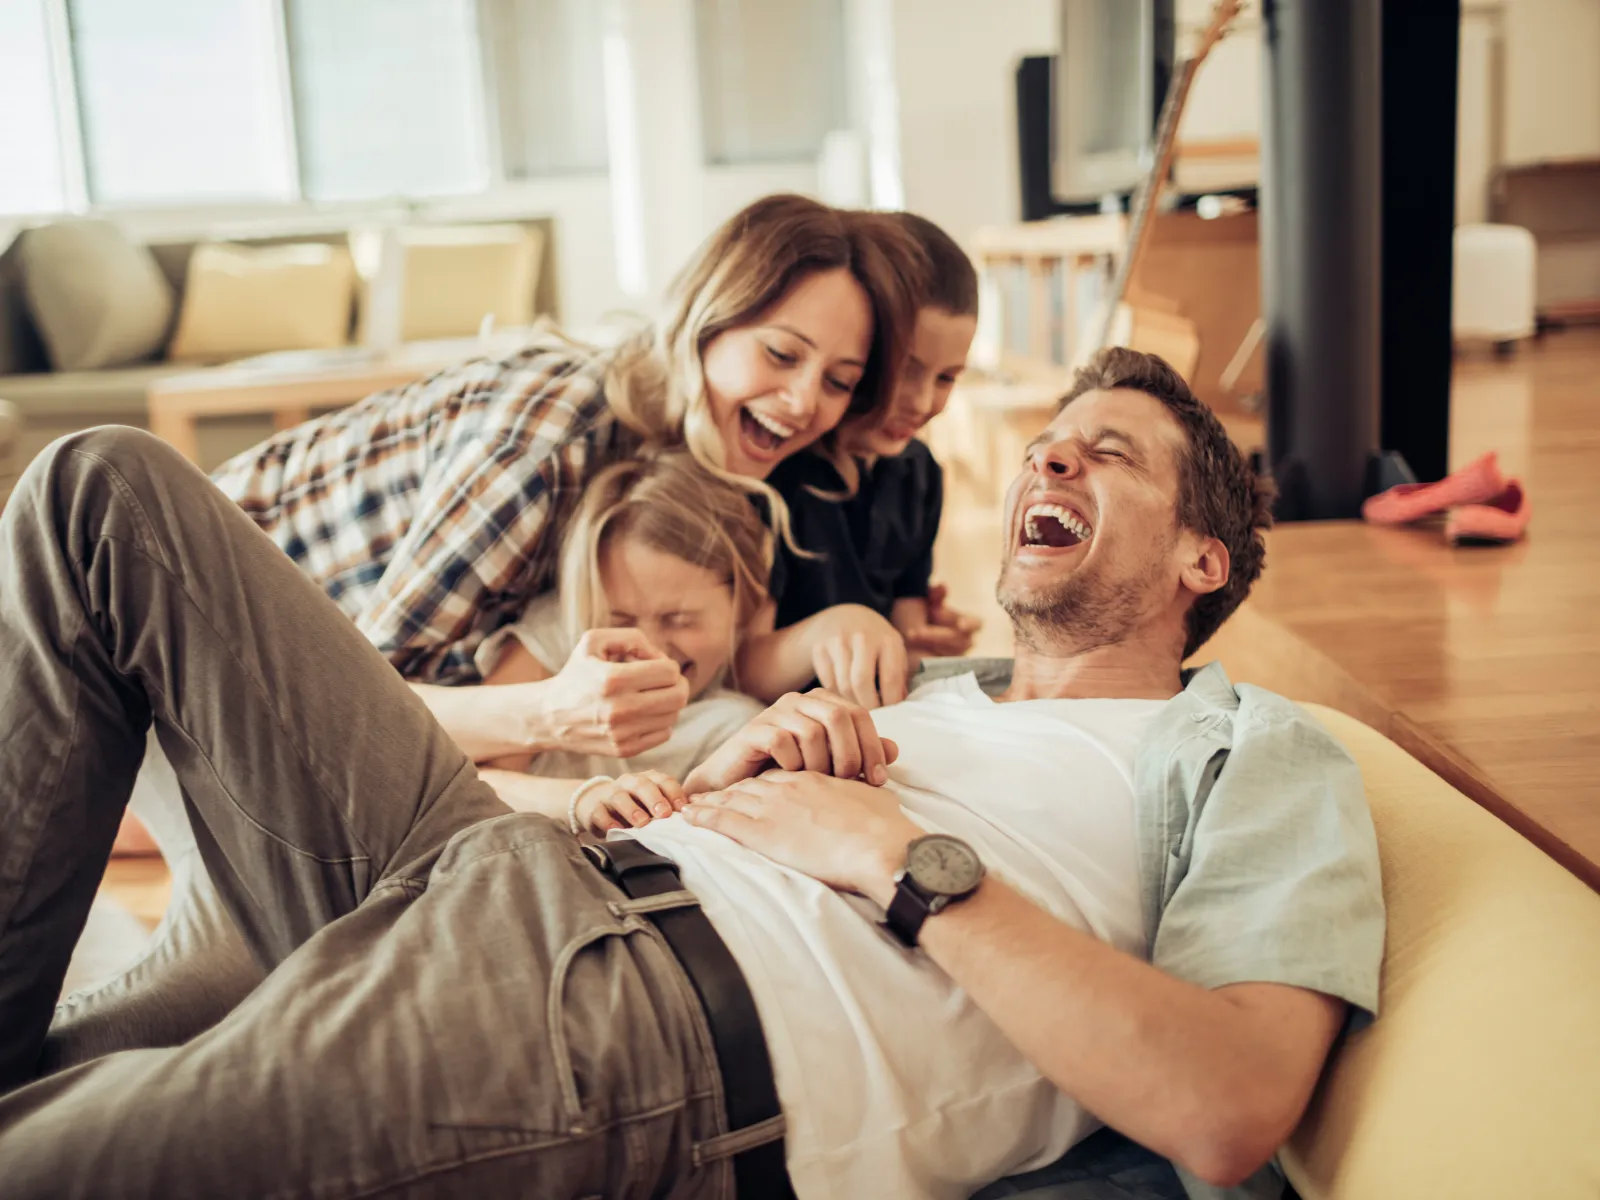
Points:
[(1219, 495)]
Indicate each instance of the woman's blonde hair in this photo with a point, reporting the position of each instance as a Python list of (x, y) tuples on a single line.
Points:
[(656, 384), (668, 502)]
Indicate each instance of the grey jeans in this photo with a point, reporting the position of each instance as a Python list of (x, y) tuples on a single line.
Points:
[(457, 1004)]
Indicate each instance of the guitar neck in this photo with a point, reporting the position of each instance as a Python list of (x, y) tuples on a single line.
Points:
[(1144, 197)]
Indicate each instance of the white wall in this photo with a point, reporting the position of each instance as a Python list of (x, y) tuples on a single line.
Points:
[(955, 64)]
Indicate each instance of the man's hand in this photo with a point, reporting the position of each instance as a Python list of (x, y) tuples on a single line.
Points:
[(842, 832), (817, 731), (617, 695), (859, 655)]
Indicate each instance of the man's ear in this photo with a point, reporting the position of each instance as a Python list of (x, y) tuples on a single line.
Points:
[(1207, 568)]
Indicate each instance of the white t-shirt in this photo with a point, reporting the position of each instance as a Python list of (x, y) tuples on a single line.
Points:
[(892, 1080), (702, 727)]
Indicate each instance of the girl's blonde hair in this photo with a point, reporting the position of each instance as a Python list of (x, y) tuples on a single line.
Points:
[(655, 382), (668, 502)]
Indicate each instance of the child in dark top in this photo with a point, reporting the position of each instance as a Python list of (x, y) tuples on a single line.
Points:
[(873, 535)]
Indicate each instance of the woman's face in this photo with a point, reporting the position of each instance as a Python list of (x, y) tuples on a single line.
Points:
[(779, 383), (685, 611)]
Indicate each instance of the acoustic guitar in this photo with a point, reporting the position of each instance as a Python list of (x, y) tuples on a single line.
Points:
[(1146, 322)]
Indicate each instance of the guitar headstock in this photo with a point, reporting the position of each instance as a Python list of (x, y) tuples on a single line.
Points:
[(1222, 16)]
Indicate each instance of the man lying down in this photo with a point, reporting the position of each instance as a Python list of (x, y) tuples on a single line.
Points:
[(896, 954)]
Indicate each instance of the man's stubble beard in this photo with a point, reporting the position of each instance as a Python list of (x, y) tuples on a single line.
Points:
[(1083, 612)]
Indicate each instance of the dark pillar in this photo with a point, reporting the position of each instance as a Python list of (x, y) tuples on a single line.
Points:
[(1320, 250), (1421, 51)]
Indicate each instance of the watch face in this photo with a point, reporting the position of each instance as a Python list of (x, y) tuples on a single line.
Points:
[(945, 866)]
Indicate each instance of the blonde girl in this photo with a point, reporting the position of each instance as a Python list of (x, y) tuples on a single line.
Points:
[(663, 574)]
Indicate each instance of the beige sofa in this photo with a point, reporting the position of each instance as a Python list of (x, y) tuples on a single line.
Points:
[(1480, 1079), (50, 403)]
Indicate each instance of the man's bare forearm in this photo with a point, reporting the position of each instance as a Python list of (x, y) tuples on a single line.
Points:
[(1215, 1080)]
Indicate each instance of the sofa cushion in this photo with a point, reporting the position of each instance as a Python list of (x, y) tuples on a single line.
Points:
[(454, 277), (20, 347), (97, 298), (243, 300), (1478, 1081)]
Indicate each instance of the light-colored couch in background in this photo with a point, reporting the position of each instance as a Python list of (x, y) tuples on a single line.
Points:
[(51, 403)]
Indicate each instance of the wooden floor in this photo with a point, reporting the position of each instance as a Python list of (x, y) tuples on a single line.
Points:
[(1483, 662)]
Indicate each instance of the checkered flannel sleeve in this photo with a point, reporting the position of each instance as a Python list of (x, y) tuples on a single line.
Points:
[(482, 532)]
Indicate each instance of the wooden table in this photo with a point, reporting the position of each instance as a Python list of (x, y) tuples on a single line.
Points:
[(291, 386)]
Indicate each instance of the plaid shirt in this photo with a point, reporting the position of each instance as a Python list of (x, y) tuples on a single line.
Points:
[(433, 513)]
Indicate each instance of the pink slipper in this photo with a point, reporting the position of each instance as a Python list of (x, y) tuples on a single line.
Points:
[(1475, 483), (1503, 518)]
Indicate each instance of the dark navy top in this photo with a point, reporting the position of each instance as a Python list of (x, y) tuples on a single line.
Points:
[(875, 547)]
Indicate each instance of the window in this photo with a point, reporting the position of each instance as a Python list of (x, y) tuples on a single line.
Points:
[(30, 133), (543, 60), (181, 100), (772, 78), (388, 98)]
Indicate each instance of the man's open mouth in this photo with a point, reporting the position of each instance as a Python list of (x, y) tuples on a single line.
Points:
[(764, 433), (1053, 525)]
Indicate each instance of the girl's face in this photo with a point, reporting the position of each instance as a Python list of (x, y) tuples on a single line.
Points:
[(685, 611), (779, 383), (938, 355)]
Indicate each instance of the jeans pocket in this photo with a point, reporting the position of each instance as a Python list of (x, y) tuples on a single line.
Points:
[(588, 1017)]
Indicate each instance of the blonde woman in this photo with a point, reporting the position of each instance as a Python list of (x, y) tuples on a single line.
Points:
[(432, 514)]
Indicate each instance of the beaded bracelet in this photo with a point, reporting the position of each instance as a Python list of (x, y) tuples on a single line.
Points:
[(578, 794)]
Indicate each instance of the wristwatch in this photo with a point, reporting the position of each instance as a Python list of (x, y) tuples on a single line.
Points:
[(939, 870)]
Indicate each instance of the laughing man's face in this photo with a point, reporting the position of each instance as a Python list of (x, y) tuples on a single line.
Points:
[(1091, 522)]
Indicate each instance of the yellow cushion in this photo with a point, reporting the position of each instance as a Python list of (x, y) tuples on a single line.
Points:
[(243, 300), (1481, 1078), (455, 276)]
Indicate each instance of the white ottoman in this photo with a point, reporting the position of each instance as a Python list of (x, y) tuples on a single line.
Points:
[(1494, 282)]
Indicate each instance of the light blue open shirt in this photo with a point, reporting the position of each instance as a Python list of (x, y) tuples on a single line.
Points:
[(1258, 860)]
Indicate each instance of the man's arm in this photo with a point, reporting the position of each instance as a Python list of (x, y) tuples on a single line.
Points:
[(1214, 1079)]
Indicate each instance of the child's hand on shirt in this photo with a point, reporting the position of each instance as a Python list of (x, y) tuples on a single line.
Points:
[(629, 802), (859, 655), (947, 632)]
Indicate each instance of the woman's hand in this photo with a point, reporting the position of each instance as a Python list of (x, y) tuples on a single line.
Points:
[(617, 695), (631, 801), (859, 655)]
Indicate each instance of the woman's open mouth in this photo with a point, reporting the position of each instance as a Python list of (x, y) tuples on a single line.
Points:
[(763, 435), (1053, 526)]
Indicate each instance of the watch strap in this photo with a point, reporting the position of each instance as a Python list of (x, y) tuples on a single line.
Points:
[(907, 911)]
